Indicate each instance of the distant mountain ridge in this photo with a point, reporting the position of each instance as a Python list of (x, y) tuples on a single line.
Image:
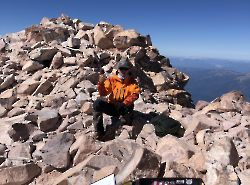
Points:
[(210, 78)]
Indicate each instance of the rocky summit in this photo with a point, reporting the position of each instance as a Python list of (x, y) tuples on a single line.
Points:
[(48, 82)]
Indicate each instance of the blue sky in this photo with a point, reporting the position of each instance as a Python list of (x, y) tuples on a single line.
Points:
[(190, 28)]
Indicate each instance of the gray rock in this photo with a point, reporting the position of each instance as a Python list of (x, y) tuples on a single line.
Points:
[(3, 111), (27, 87), (2, 149), (8, 81), (81, 98), (15, 111), (73, 42), (56, 151), (31, 66), (47, 119), (69, 108), (19, 175), (223, 151), (2, 45), (69, 60), (85, 26), (43, 54), (171, 149), (21, 132), (21, 151), (244, 177), (57, 61), (44, 87), (127, 38), (100, 39)]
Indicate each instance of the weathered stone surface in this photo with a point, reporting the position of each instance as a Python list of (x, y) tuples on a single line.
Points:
[(31, 66), (69, 60), (43, 54), (8, 81), (47, 119), (73, 42), (100, 39), (21, 151), (16, 111), (3, 111), (56, 151), (69, 108), (2, 44), (176, 170), (87, 108), (127, 38), (223, 151), (20, 131), (81, 98), (83, 146), (19, 174), (2, 149), (104, 172), (224, 176), (7, 98), (244, 177), (28, 86), (4, 136), (172, 149), (57, 61), (44, 87)]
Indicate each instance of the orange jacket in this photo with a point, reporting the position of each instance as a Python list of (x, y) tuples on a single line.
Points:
[(119, 91)]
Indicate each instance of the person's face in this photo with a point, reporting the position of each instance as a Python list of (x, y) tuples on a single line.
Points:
[(123, 71)]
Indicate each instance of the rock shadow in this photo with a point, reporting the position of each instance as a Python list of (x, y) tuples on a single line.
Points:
[(162, 122)]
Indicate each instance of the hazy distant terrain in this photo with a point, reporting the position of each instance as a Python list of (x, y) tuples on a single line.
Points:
[(210, 78)]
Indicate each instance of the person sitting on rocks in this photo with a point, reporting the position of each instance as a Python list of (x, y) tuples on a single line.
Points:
[(122, 91)]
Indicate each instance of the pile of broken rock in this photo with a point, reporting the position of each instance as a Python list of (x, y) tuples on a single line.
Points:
[(48, 82)]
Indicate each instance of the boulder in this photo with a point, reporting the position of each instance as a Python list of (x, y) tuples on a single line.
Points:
[(7, 98), (16, 111), (87, 108), (104, 172), (244, 177), (3, 111), (223, 151), (69, 60), (31, 66), (69, 108), (83, 147), (43, 54), (27, 87), (172, 149), (127, 38), (56, 150), (21, 131), (47, 119), (19, 175), (73, 42), (57, 61), (100, 39), (8, 82), (44, 87), (2, 45), (21, 151)]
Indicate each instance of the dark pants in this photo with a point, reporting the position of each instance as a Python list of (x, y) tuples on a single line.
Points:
[(100, 107)]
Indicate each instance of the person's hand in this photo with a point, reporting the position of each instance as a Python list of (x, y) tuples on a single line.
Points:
[(102, 77)]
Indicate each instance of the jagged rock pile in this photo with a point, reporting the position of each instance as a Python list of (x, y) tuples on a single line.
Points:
[(48, 83)]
